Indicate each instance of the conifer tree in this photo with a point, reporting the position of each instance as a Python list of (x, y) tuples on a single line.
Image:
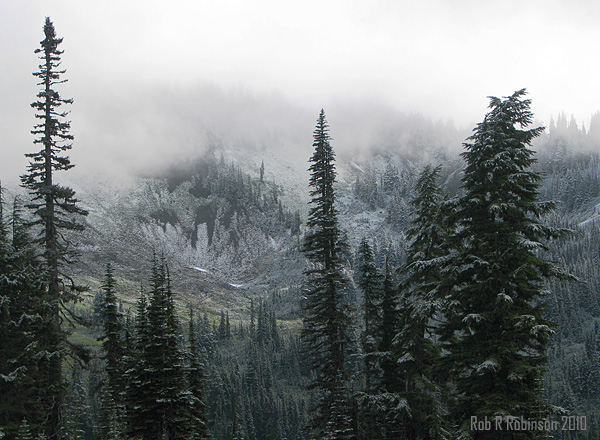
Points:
[(24, 431), (136, 375), (159, 402), (369, 282), (326, 317), (112, 339), (22, 373), (112, 397), (387, 329), (416, 350), (195, 378), (55, 209), (496, 332)]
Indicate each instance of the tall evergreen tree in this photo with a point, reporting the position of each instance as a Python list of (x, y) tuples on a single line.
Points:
[(416, 350), (326, 317), (55, 208), (496, 330)]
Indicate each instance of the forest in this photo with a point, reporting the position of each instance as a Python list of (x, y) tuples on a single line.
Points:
[(414, 293)]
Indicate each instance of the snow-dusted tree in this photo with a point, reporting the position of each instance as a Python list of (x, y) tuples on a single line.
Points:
[(417, 353), (137, 374), (195, 379), (369, 282), (55, 209), (159, 401), (112, 397), (326, 317), (112, 339), (387, 329), (24, 431), (496, 330), (22, 381)]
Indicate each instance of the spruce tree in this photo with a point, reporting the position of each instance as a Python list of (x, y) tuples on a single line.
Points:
[(55, 209), (496, 331), (326, 319)]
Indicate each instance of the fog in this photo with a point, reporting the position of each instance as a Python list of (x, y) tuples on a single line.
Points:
[(154, 79)]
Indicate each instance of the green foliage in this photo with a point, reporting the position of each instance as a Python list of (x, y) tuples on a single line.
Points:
[(326, 318), (421, 305), (24, 431), (163, 396), (23, 362), (496, 331), (370, 284), (55, 211)]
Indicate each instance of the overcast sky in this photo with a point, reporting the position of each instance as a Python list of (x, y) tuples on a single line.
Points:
[(153, 58)]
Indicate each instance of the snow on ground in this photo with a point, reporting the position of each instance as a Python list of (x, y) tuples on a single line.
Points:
[(200, 269), (594, 218)]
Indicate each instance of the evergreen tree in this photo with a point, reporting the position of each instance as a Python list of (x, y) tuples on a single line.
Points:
[(24, 431), (416, 349), (387, 329), (195, 377), (159, 400), (55, 208), (496, 332), (140, 422), (222, 334), (76, 409), (326, 316), (369, 282), (22, 373), (111, 341), (113, 355)]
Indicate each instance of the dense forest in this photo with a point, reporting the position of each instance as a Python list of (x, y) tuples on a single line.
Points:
[(419, 294)]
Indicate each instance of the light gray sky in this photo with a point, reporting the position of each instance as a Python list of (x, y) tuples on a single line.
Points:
[(139, 69)]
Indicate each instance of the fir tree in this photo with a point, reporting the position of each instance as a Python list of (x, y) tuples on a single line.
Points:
[(55, 208), (326, 317), (416, 349), (496, 330)]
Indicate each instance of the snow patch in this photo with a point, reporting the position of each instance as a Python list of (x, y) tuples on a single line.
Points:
[(200, 269)]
